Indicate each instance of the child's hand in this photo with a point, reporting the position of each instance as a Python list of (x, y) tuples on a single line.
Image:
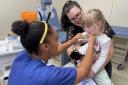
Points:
[(91, 74), (69, 50)]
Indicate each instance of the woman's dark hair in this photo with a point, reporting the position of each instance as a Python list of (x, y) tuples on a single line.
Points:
[(108, 30), (30, 34), (69, 5), (65, 22)]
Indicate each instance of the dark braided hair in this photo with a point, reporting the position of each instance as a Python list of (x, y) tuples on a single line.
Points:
[(30, 34)]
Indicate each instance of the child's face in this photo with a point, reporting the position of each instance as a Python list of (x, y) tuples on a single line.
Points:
[(94, 28), (90, 29)]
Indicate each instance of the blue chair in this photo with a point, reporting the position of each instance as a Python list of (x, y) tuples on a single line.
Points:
[(120, 31)]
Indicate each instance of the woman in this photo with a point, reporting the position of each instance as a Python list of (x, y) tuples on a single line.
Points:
[(40, 42), (71, 20)]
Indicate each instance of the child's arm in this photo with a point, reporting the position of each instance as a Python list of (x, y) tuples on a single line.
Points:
[(102, 56), (82, 50), (111, 49)]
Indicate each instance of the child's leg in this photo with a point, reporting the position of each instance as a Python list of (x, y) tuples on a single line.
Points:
[(87, 82), (102, 78)]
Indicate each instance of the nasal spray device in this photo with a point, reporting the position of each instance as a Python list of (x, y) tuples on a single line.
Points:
[(85, 35)]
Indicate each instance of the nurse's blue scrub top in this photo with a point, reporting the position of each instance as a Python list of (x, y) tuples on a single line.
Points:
[(28, 71)]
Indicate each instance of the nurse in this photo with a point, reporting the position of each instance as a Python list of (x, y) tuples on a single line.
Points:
[(40, 42)]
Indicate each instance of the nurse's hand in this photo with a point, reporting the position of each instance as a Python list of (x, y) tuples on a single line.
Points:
[(78, 38), (92, 39)]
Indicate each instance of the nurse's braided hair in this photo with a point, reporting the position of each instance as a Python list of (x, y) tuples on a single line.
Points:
[(30, 34)]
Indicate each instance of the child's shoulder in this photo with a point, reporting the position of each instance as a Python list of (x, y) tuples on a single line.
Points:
[(103, 38)]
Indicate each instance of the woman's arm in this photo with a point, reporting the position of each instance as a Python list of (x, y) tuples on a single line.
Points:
[(85, 65)]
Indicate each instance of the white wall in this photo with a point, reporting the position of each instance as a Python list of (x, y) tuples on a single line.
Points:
[(119, 15), (58, 4), (10, 11), (103, 5), (115, 11)]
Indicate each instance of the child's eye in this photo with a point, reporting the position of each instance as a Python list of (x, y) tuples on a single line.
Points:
[(87, 26)]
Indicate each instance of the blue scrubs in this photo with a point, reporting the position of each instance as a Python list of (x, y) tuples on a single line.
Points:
[(28, 71)]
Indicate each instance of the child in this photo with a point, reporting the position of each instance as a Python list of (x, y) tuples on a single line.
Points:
[(94, 22)]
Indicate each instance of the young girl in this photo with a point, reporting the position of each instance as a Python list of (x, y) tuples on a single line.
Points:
[(94, 22)]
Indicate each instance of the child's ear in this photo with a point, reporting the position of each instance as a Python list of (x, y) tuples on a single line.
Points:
[(99, 24)]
